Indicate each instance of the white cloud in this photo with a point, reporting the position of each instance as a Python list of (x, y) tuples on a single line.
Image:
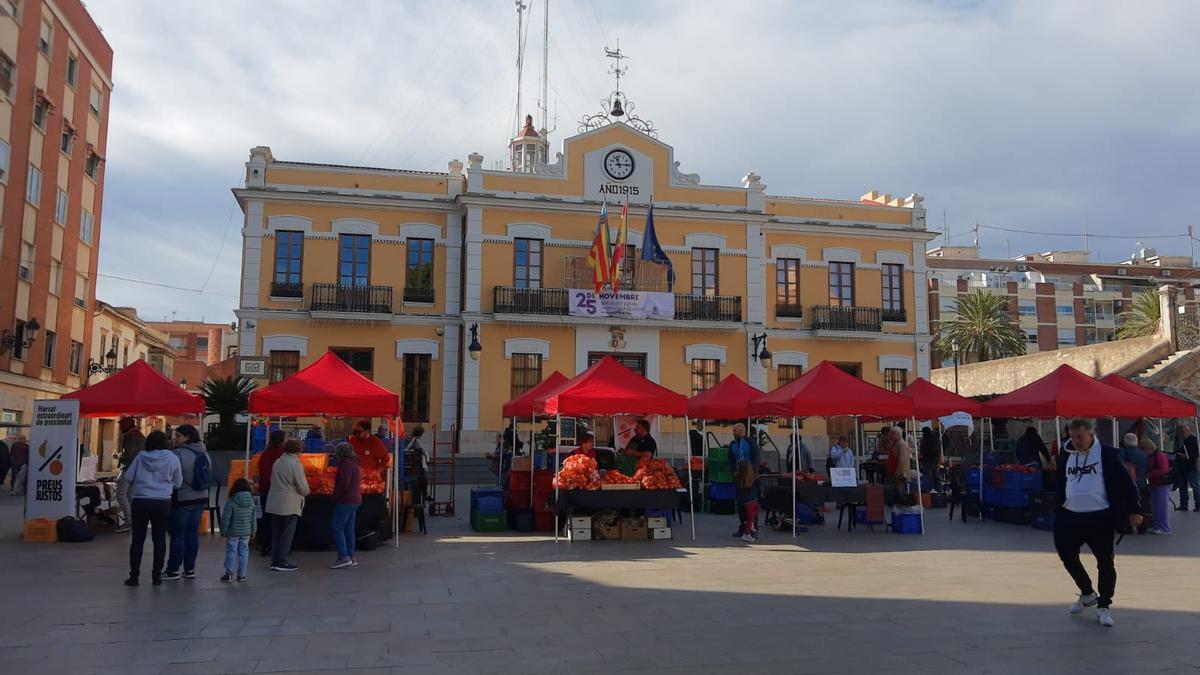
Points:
[(1039, 115)]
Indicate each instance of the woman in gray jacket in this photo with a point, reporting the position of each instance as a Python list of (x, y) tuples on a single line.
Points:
[(289, 487)]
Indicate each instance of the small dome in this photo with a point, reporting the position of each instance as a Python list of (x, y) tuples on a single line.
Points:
[(528, 131)]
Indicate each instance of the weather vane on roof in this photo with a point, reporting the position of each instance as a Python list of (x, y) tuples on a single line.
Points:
[(617, 105)]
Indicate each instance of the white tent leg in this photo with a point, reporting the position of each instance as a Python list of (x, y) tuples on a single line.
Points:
[(557, 442), (795, 469), (397, 471), (1057, 427), (1116, 441), (687, 424), (981, 466), (246, 465), (920, 493), (531, 467), (1160, 433), (703, 469)]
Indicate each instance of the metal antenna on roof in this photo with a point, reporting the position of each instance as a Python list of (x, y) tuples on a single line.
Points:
[(545, 65)]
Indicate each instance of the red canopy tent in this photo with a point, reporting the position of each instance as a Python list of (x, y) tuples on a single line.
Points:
[(522, 406), (1171, 406), (729, 400), (137, 389), (930, 400), (609, 388), (1066, 392), (829, 391), (328, 386)]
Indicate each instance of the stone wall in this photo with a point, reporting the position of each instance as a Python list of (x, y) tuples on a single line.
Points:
[(1125, 357)]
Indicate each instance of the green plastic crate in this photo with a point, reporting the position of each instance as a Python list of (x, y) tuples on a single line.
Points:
[(489, 522), (719, 475), (628, 465), (718, 455)]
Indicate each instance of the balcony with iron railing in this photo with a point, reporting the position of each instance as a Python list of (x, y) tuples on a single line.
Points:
[(896, 314), (346, 299), (847, 319), (554, 302)]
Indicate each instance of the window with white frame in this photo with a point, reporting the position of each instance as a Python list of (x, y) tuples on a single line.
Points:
[(5, 153), (8, 74), (96, 100), (25, 271), (44, 38), (72, 70), (41, 112), (56, 271), (60, 208), (1066, 337), (33, 186), (67, 142), (1026, 308), (85, 228)]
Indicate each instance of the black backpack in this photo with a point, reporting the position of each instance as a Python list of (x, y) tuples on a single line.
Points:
[(73, 530), (201, 472)]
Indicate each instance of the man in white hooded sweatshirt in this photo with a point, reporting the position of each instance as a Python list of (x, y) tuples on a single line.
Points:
[(1096, 497)]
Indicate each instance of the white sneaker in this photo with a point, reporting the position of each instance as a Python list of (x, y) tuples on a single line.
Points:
[(122, 528), (748, 538), (1104, 618), (1084, 601)]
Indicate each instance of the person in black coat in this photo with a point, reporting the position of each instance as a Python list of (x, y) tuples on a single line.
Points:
[(1096, 497)]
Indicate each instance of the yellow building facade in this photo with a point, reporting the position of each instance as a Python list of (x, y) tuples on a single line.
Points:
[(398, 271)]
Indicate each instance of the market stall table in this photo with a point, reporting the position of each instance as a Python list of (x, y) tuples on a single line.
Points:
[(315, 529), (595, 500)]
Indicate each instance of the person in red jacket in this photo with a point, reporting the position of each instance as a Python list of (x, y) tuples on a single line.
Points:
[(347, 497), (372, 452), (266, 461)]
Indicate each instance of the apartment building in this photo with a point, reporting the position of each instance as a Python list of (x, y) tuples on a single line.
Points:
[(459, 289), (55, 81), (1059, 298)]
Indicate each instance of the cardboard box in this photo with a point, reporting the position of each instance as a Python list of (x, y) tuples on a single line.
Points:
[(621, 486), (660, 533), (656, 522), (579, 534), (608, 532), (522, 463), (633, 529), (580, 522)]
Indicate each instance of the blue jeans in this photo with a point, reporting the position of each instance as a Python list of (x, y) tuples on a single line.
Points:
[(184, 528), (344, 517), (237, 555)]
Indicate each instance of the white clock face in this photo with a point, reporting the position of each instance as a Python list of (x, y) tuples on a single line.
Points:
[(618, 164)]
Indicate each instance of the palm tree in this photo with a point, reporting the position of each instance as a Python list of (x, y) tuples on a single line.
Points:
[(982, 328), (225, 397), (1143, 316)]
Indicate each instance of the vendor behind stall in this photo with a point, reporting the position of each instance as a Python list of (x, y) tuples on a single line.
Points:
[(371, 450), (642, 445), (587, 447)]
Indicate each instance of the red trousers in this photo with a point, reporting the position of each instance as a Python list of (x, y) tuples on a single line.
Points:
[(750, 513)]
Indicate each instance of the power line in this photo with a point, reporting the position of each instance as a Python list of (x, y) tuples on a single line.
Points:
[(1080, 234)]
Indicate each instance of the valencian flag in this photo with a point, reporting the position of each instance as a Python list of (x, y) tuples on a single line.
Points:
[(598, 255), (618, 254), (652, 252)]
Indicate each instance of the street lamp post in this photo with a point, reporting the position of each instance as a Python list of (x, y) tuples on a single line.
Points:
[(28, 336), (108, 366), (759, 351)]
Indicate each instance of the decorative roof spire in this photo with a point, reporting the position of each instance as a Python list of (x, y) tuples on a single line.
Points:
[(617, 105)]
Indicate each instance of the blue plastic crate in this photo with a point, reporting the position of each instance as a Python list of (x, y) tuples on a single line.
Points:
[(860, 515), (1031, 481), (1012, 480), (906, 523), (722, 491), (1043, 521), (485, 492), (1013, 499), (488, 505), (973, 474)]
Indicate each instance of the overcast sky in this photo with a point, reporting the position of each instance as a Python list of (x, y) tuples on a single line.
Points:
[(1040, 116)]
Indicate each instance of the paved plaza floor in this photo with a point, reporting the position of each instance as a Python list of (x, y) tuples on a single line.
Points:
[(964, 598)]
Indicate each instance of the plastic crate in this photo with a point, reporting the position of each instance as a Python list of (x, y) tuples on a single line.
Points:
[(520, 521), (722, 491), (489, 522), (1042, 521), (720, 475), (1006, 498), (906, 523), (725, 507), (485, 492), (1011, 515), (41, 530), (543, 521), (488, 505), (517, 499), (718, 455), (1031, 481), (973, 474)]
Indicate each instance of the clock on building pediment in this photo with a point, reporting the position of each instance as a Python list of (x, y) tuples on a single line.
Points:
[(618, 164)]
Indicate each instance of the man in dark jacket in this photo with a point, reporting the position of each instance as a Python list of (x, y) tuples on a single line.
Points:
[(266, 462), (1096, 497), (132, 442), (1186, 458)]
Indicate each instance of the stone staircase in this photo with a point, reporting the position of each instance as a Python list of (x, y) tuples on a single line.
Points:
[(1160, 365), (473, 471)]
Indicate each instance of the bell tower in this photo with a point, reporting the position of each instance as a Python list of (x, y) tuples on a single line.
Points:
[(528, 149)]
